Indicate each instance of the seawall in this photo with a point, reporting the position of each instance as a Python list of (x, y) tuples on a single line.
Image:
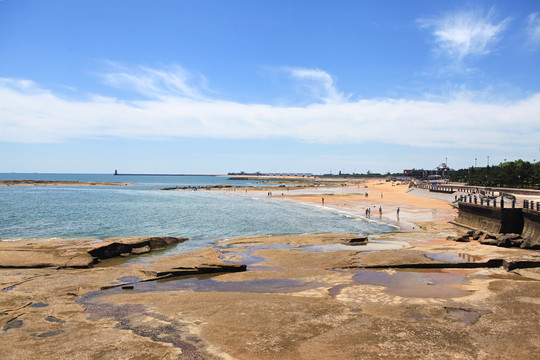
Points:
[(491, 219), (501, 220), (531, 225)]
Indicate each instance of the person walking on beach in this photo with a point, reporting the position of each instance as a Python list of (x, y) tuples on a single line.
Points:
[(380, 210), (322, 199), (397, 211)]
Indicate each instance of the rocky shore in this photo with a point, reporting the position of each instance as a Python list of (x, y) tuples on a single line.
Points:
[(412, 294), (58, 183)]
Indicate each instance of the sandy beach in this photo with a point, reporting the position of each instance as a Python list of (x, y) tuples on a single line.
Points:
[(408, 294)]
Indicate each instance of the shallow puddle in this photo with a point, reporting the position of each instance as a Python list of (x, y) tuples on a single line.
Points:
[(244, 257), (244, 254), (206, 283), (454, 257), (253, 286), (372, 245), (128, 279), (466, 316), (423, 284)]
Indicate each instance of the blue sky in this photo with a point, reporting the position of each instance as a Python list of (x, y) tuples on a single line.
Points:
[(271, 86)]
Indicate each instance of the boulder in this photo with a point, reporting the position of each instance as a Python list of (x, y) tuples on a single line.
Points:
[(529, 244), (489, 241), (476, 234), (463, 238), (509, 240)]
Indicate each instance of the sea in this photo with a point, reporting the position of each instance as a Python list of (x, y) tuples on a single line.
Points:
[(141, 209)]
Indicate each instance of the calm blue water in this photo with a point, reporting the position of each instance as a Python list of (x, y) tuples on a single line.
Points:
[(140, 210)]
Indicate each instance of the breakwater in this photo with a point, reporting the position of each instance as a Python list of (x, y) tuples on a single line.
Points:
[(494, 219)]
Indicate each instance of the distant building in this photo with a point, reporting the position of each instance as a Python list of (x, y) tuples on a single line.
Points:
[(441, 171)]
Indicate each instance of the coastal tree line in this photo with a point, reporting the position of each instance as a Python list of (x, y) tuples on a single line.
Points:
[(512, 174)]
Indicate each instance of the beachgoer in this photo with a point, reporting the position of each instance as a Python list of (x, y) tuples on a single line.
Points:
[(322, 199), (397, 211), (380, 210)]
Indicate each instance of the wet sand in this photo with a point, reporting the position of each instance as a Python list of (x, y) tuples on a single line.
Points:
[(302, 297)]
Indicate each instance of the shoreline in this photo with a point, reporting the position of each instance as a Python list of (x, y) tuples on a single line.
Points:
[(418, 295), (59, 183)]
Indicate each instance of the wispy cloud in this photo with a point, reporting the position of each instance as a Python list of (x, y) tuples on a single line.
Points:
[(533, 28), (466, 33), (29, 113), (320, 84), (168, 80)]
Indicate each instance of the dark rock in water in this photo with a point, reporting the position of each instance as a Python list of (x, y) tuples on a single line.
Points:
[(163, 241), (128, 287), (358, 241), (125, 245), (202, 269)]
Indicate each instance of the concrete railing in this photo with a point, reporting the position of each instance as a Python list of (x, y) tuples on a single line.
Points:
[(453, 188), (474, 199), (531, 205)]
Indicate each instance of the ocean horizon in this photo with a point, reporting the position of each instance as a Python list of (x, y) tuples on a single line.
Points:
[(88, 212)]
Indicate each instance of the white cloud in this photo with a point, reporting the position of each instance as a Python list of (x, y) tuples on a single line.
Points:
[(29, 113), (320, 84), (533, 27), (169, 80), (464, 34)]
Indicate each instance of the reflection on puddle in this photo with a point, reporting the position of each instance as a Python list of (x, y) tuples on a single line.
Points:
[(454, 257), (244, 257), (424, 284), (244, 254), (207, 284), (370, 246), (128, 279)]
